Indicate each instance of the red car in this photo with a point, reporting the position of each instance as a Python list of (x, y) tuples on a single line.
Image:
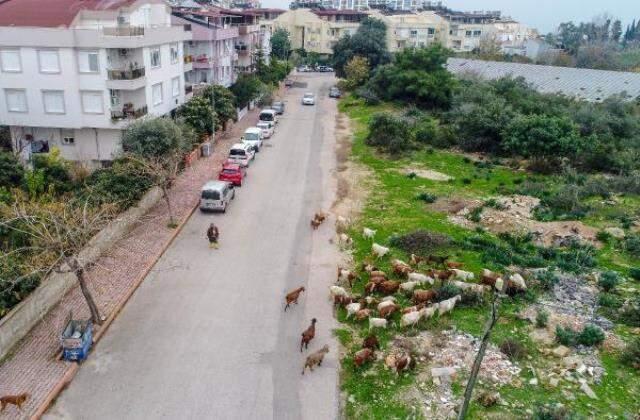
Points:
[(232, 172)]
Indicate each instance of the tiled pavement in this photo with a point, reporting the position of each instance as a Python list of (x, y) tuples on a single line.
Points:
[(33, 366)]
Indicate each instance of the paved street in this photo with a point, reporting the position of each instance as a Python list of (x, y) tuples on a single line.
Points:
[(205, 335)]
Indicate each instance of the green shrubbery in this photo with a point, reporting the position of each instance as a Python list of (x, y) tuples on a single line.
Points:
[(590, 335), (390, 133), (609, 280), (421, 242)]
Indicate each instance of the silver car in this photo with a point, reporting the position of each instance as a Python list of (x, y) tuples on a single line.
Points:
[(216, 196), (309, 99)]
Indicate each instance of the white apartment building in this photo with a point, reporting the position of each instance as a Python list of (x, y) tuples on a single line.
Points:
[(74, 76)]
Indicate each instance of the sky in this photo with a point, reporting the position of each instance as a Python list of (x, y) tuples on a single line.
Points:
[(544, 15)]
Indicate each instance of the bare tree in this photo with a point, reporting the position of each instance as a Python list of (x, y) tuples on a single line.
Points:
[(53, 234), (491, 322), (162, 171)]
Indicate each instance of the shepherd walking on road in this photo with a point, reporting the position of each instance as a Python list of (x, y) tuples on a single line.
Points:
[(212, 235)]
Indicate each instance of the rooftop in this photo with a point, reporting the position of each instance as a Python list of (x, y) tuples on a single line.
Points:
[(585, 84), (334, 12), (58, 13)]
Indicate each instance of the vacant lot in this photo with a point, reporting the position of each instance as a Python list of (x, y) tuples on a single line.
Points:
[(478, 206)]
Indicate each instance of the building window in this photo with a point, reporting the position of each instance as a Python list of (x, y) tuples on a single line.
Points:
[(174, 53), (431, 31), (88, 62), (16, 100), (413, 33), (175, 86), (468, 33), (155, 57), (53, 101), (10, 61), (477, 33), (49, 61), (92, 102), (114, 97), (156, 93), (68, 138)]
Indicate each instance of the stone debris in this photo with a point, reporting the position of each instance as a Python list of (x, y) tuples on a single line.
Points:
[(616, 232), (561, 351)]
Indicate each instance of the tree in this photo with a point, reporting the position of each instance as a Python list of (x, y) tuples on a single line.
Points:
[(199, 114), (417, 76), (280, 44), (616, 30), (569, 36), (55, 233), (544, 139), (390, 133), (225, 108), (155, 137), (246, 89), (11, 171), (369, 41), (357, 70)]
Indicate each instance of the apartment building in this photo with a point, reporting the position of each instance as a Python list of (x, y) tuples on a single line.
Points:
[(316, 30), (74, 75), (252, 38), (210, 56), (412, 30)]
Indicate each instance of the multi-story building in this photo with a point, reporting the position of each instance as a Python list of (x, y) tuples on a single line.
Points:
[(210, 56), (466, 30), (252, 38), (74, 75), (317, 30), (411, 30)]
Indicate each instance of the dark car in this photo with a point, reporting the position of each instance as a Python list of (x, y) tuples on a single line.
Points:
[(288, 82), (334, 92), (278, 107)]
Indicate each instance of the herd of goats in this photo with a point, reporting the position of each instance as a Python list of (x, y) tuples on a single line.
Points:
[(378, 303)]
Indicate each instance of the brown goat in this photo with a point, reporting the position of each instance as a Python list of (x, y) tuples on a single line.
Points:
[(320, 217), (415, 308), (371, 342), (363, 314), (453, 264), (308, 335), (401, 268), (315, 224), (434, 259), (342, 300), (315, 358), (423, 296), (388, 310), (415, 259), (292, 297), (363, 356), (404, 362), (389, 287)]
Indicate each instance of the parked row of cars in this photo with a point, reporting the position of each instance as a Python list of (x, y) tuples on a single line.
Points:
[(322, 69), (217, 195)]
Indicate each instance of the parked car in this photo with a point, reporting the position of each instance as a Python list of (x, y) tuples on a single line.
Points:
[(242, 154), (269, 115), (266, 128), (325, 69), (288, 82), (278, 107), (308, 99), (334, 92), (233, 173), (253, 137), (216, 196), (304, 69)]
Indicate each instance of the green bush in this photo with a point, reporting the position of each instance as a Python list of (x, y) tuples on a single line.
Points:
[(558, 412), (609, 300), (513, 349), (591, 335), (368, 95), (447, 291), (427, 197), (632, 245), (542, 318), (565, 336), (631, 354), (421, 242), (55, 171), (427, 131), (11, 171), (630, 313), (389, 133), (634, 273), (577, 258), (608, 280), (475, 215), (603, 236), (117, 185), (547, 279), (154, 137)]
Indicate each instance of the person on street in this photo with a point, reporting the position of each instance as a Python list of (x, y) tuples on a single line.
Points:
[(212, 235)]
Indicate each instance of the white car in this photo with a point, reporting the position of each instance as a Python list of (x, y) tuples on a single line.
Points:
[(242, 154), (308, 99), (266, 128), (253, 137)]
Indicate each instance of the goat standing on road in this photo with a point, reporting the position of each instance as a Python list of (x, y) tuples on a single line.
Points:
[(308, 335)]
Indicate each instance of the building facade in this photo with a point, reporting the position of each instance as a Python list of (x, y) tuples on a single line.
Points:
[(413, 30), (75, 77)]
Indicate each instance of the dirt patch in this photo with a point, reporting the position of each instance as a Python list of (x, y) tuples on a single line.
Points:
[(428, 174), (514, 214), (353, 180)]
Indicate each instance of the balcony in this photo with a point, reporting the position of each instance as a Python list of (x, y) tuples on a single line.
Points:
[(131, 79), (188, 62), (128, 113), (248, 29), (203, 61), (124, 31)]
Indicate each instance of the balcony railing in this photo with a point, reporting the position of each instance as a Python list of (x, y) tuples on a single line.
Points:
[(128, 112), (203, 59), (131, 74), (124, 31)]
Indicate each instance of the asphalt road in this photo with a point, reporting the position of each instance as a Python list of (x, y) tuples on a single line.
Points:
[(205, 336)]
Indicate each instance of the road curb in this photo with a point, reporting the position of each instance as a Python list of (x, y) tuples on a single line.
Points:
[(73, 370)]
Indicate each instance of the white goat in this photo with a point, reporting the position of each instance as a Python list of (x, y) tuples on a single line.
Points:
[(344, 239), (408, 286), (379, 251), (462, 275), (352, 308), (337, 291), (377, 323), (448, 305), (385, 303), (389, 299), (430, 311), (476, 288), (518, 281), (412, 318), (420, 278), (499, 284), (368, 233)]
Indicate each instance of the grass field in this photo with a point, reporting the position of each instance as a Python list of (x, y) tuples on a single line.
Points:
[(392, 208)]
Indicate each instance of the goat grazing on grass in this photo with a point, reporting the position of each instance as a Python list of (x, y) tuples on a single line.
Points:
[(368, 233), (315, 358), (292, 297), (342, 300), (347, 275), (363, 356), (389, 287), (379, 251), (462, 275), (308, 335), (371, 342), (337, 291), (388, 310), (420, 278), (415, 259), (447, 305), (400, 268), (423, 296), (377, 323), (411, 318), (453, 264), (437, 260), (353, 308), (363, 314)]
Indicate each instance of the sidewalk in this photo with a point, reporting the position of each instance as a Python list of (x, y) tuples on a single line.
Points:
[(33, 367)]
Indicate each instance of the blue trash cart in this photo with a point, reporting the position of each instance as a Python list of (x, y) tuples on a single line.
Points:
[(76, 340)]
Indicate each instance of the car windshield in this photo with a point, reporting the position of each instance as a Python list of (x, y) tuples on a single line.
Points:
[(266, 116), (252, 136), (211, 195), (229, 171), (263, 125), (308, 95), (277, 104), (237, 152)]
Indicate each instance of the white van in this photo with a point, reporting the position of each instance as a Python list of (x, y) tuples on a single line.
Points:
[(241, 153), (253, 137), (216, 196), (269, 116)]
